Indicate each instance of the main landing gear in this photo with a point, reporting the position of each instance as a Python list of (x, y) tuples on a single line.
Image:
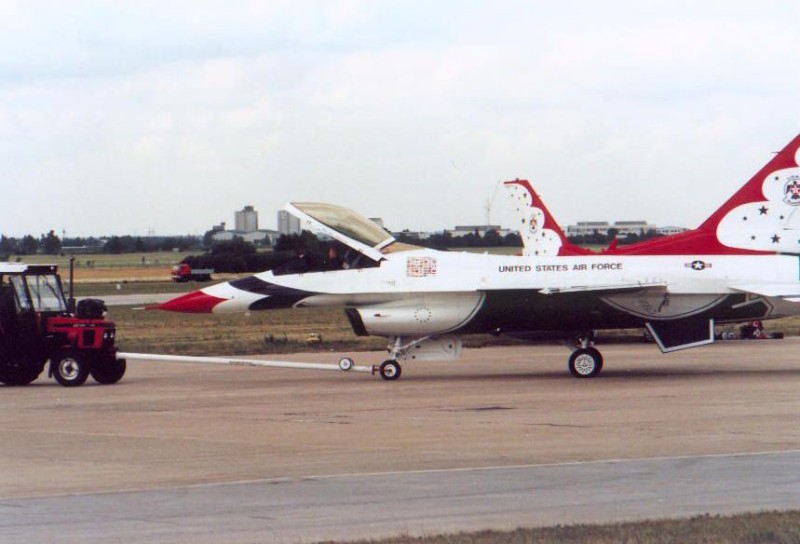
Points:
[(398, 348), (585, 361)]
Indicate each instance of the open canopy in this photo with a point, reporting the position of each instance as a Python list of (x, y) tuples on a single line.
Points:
[(344, 225)]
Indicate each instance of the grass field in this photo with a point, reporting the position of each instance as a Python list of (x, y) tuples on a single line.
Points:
[(278, 331), (142, 267), (144, 259), (137, 269), (138, 287), (761, 528)]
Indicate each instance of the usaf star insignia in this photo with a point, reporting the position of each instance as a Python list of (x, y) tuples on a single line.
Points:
[(698, 265)]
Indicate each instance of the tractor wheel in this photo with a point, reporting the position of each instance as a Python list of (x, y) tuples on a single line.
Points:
[(19, 375), (12, 372), (108, 370), (71, 368)]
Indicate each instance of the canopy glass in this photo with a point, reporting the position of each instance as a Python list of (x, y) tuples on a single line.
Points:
[(346, 223)]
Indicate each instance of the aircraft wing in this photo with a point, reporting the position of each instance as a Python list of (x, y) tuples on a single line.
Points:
[(672, 330), (786, 291), (605, 288)]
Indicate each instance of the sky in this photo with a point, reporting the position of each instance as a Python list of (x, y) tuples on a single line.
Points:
[(167, 116)]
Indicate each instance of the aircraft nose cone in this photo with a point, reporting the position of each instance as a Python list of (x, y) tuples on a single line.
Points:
[(197, 302)]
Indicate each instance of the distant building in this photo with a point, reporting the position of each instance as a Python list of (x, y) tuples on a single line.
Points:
[(669, 231), (587, 228), (412, 234), (257, 237), (480, 230), (623, 228), (633, 227), (246, 220), (246, 223), (287, 223)]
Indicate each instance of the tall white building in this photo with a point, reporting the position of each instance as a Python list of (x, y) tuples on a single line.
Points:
[(287, 223), (246, 228), (246, 220)]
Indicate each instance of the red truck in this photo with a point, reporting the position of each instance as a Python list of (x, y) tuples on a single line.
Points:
[(183, 273)]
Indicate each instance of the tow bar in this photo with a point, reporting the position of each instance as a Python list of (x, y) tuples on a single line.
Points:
[(345, 363)]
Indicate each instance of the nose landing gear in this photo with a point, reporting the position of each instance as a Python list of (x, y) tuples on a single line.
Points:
[(390, 370)]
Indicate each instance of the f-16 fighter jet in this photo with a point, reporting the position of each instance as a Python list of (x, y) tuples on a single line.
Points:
[(741, 264)]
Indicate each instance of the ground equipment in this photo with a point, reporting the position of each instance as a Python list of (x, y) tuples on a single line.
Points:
[(37, 325), (183, 273)]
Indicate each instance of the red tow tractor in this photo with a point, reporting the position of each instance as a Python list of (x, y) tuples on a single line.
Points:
[(37, 325)]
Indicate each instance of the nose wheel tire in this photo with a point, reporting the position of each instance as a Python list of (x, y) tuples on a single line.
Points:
[(389, 370), (585, 363), (70, 369)]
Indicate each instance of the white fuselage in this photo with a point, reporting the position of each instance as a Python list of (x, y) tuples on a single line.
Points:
[(433, 292), (467, 272)]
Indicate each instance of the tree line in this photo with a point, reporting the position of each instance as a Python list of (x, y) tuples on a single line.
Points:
[(446, 240), (599, 239), (237, 256), (51, 244), (28, 245)]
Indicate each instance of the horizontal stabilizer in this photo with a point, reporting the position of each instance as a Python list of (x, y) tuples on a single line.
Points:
[(681, 333)]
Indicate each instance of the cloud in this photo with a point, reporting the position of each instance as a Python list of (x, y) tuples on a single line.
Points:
[(172, 115)]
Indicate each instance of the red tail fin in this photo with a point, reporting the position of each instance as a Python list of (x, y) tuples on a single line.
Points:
[(763, 216), (540, 233)]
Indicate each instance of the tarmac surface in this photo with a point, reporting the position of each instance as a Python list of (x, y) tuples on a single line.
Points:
[(501, 438)]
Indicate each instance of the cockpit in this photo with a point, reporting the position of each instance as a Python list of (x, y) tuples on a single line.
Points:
[(345, 222), (344, 225), (358, 242)]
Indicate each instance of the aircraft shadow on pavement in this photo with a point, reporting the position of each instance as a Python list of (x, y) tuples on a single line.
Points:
[(610, 374)]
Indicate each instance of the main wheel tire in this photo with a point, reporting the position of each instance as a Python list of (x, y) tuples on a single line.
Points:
[(585, 363), (390, 370), (108, 370), (71, 368), (599, 356)]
